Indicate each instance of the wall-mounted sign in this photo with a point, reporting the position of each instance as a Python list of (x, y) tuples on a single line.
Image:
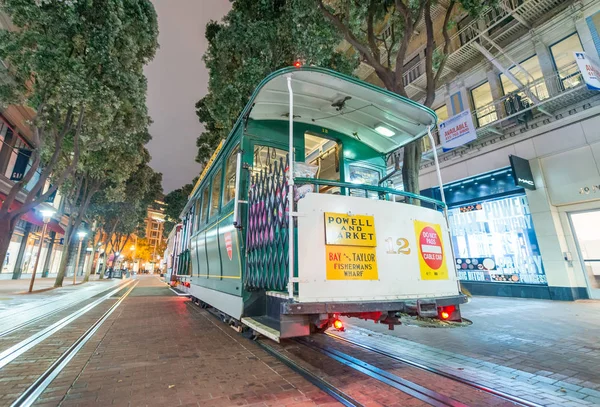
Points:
[(589, 69), (355, 230), (18, 171), (522, 172), (457, 130)]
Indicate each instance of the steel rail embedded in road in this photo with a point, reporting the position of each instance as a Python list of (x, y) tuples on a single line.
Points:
[(406, 386), (29, 396), (20, 348), (53, 312), (321, 383), (470, 383)]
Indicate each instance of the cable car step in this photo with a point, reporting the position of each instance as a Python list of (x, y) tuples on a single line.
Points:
[(259, 324)]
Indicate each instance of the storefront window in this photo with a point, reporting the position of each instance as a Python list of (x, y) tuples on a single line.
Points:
[(13, 251), (494, 241)]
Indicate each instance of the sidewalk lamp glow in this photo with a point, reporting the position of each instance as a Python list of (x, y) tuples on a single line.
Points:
[(47, 214), (117, 253), (81, 235), (384, 130)]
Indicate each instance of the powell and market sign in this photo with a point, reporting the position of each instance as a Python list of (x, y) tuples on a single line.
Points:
[(522, 172)]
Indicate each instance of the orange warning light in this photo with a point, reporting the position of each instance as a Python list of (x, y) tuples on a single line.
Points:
[(337, 324)]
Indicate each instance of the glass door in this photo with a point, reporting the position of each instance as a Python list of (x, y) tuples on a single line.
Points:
[(585, 228)]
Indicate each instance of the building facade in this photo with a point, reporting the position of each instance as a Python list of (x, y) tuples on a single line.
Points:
[(514, 69)]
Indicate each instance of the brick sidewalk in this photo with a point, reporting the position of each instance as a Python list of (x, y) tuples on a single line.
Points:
[(156, 351), (548, 348)]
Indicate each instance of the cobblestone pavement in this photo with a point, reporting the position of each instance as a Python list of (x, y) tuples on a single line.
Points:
[(157, 351), (540, 350)]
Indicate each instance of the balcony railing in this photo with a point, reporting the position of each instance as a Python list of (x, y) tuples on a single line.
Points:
[(518, 102)]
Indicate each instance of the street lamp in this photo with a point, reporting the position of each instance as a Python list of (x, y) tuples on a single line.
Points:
[(81, 235), (46, 216)]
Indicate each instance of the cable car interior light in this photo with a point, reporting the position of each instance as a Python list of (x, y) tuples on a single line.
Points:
[(384, 131)]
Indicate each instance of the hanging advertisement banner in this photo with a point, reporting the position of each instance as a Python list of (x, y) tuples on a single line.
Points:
[(18, 171), (590, 70), (457, 130)]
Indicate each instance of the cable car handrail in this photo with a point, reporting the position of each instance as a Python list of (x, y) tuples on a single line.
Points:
[(373, 188)]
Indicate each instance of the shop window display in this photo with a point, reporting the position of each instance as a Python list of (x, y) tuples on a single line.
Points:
[(495, 241)]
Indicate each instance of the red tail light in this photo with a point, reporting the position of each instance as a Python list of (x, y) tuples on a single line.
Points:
[(339, 325), (444, 315)]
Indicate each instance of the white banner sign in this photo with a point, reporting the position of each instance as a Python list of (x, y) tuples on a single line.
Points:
[(589, 70), (457, 130)]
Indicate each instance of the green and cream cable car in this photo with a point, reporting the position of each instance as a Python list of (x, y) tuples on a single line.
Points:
[(290, 225)]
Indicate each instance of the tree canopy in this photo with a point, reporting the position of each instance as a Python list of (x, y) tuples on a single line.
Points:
[(254, 39), (79, 66), (406, 21)]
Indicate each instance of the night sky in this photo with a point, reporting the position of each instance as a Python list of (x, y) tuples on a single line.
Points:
[(177, 78)]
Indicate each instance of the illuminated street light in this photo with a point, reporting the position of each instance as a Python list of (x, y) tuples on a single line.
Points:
[(46, 217), (81, 234)]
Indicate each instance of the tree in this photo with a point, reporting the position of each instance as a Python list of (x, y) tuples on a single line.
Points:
[(78, 65), (176, 201), (254, 39), (358, 22), (121, 216)]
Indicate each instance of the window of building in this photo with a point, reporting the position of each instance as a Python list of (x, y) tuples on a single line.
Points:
[(466, 30), (215, 195), (412, 70), (564, 60), (485, 111), (442, 113), (534, 81), (204, 211), (155, 226), (230, 172)]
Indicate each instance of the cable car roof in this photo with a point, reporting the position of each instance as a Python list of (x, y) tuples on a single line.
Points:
[(350, 106)]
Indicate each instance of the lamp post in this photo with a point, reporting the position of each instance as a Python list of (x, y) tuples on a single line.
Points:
[(81, 235), (47, 216)]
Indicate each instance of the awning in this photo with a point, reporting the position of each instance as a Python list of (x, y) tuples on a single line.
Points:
[(329, 99), (34, 217)]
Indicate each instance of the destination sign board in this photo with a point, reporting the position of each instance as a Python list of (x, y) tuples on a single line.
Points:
[(351, 263), (350, 230)]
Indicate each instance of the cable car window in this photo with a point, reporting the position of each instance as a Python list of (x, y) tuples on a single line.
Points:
[(230, 168), (215, 195), (204, 205), (265, 156), (196, 222), (324, 154), (364, 176)]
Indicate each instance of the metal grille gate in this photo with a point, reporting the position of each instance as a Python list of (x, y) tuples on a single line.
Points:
[(267, 235)]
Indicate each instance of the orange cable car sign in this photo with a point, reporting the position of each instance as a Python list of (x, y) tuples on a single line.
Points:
[(350, 245)]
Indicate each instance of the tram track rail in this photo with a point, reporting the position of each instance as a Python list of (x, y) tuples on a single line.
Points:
[(413, 389), (56, 311), (31, 394), (10, 354), (497, 393)]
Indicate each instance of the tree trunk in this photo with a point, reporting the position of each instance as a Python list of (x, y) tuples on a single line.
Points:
[(7, 227), (411, 167), (88, 269), (64, 258)]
